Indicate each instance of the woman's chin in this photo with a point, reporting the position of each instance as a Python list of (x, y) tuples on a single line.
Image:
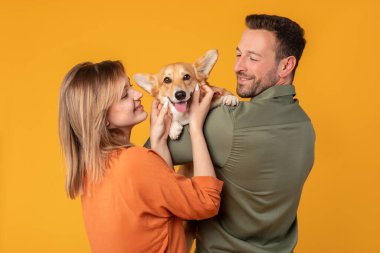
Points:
[(143, 115)]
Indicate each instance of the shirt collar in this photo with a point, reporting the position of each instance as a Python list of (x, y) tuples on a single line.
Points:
[(276, 91)]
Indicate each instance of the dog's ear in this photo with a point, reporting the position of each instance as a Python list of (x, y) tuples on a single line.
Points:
[(145, 81), (204, 64)]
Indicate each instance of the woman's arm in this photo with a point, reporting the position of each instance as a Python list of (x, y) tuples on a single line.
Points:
[(160, 190), (198, 112)]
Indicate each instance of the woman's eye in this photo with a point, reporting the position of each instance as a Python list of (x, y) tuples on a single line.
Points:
[(186, 77), (124, 95), (167, 80)]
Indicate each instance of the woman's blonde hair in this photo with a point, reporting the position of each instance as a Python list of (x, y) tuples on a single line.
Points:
[(87, 91)]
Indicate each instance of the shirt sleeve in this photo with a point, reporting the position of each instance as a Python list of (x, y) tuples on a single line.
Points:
[(164, 193), (218, 130)]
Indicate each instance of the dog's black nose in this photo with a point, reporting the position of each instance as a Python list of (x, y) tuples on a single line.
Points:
[(180, 95)]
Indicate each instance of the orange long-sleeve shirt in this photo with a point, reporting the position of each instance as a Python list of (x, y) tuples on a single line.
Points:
[(140, 203)]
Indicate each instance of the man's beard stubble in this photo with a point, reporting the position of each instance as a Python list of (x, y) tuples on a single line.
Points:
[(257, 85), (248, 91)]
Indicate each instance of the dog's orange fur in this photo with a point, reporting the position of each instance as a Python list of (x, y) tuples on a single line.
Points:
[(182, 78)]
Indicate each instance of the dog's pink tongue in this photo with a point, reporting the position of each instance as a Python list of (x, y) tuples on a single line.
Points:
[(181, 107)]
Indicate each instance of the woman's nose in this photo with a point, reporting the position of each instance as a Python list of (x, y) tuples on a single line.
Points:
[(137, 94)]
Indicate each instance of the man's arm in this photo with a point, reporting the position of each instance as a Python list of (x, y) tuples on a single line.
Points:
[(218, 131)]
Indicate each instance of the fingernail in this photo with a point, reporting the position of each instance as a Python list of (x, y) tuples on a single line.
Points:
[(197, 87), (166, 104)]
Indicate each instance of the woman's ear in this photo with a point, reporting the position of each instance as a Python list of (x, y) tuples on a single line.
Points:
[(286, 66)]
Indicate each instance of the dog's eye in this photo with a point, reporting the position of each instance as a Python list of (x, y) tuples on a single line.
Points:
[(167, 80), (186, 77)]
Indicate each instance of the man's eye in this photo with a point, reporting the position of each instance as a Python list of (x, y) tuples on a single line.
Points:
[(186, 77), (167, 80), (238, 55), (253, 59)]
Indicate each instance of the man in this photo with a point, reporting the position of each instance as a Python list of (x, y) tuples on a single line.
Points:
[(263, 149)]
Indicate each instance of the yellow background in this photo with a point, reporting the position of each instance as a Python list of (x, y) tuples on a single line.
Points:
[(337, 83)]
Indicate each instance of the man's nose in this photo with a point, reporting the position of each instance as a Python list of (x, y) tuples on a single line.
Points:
[(240, 64)]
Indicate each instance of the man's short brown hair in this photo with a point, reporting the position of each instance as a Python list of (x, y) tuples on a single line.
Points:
[(289, 35)]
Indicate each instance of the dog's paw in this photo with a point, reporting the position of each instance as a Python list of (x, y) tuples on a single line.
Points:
[(230, 100), (175, 130)]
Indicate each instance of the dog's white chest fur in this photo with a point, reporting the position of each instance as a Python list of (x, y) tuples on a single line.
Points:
[(179, 119)]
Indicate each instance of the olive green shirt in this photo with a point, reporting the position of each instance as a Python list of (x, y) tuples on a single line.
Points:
[(263, 150)]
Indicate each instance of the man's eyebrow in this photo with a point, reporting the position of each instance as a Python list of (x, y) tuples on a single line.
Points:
[(250, 52), (253, 52)]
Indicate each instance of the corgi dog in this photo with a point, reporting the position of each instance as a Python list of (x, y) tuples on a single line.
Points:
[(176, 83)]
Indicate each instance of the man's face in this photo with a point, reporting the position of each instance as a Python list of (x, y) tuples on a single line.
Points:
[(256, 65)]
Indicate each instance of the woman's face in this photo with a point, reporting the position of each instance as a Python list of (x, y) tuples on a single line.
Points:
[(128, 111)]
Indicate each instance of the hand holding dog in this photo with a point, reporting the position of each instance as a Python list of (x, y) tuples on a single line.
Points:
[(199, 108), (160, 121)]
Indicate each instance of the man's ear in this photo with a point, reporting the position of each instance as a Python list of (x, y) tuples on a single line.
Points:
[(145, 81), (286, 66), (204, 64)]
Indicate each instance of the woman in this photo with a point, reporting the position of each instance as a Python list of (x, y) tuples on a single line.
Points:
[(132, 200)]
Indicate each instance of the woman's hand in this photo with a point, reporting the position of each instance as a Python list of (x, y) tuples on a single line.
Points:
[(160, 121), (199, 109)]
